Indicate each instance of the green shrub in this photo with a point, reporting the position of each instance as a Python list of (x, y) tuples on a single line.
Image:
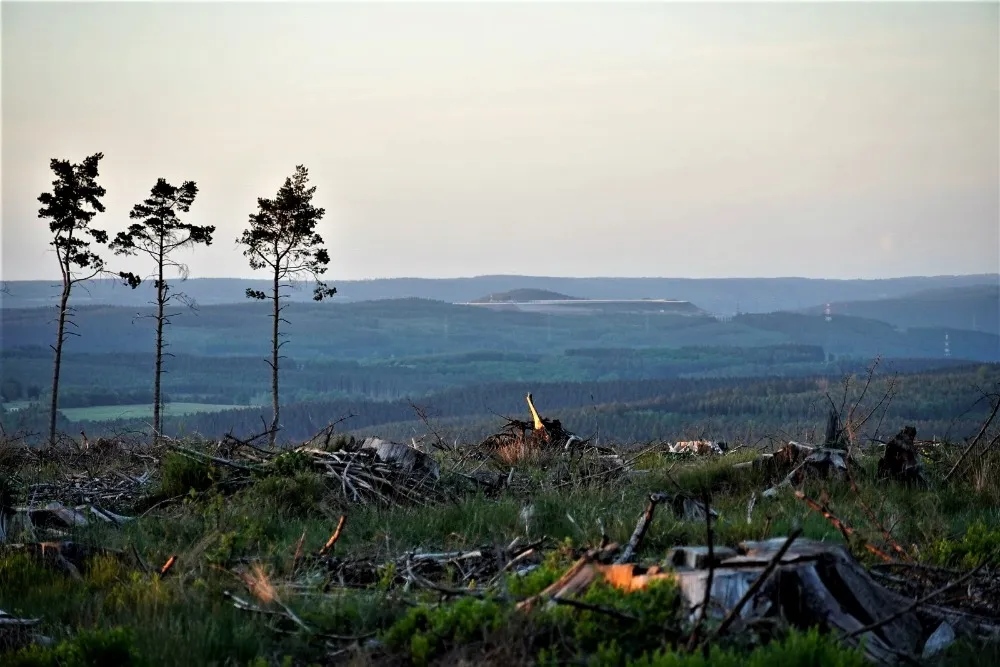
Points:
[(89, 648), (298, 493), (536, 581), (427, 631), (289, 463), (181, 475), (979, 543), (797, 649), (626, 625)]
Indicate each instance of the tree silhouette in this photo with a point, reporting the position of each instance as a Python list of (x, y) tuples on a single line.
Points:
[(158, 234), (70, 208), (282, 239)]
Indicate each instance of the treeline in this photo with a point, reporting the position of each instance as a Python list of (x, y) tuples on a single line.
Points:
[(936, 401), (91, 380)]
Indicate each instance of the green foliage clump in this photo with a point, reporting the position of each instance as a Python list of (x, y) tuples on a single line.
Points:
[(621, 625), (536, 581), (427, 631), (181, 475), (299, 492), (88, 648), (797, 649), (639, 621), (978, 544), (290, 463)]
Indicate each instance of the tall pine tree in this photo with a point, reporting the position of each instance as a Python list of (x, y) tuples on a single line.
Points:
[(70, 208), (158, 234), (282, 239)]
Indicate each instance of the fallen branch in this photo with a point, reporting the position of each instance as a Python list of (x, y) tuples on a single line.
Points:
[(844, 529), (215, 459), (640, 529), (168, 565), (336, 535), (596, 609)]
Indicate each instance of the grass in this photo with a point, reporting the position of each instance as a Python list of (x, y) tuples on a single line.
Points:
[(98, 413), (243, 539)]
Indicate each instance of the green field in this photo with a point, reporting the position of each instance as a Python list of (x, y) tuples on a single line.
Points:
[(112, 412)]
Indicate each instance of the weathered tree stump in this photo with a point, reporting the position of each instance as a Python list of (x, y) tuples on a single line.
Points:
[(901, 461), (813, 584)]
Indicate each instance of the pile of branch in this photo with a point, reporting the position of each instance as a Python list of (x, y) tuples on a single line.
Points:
[(55, 516), (117, 489), (540, 433), (376, 472), (460, 569), (516, 433)]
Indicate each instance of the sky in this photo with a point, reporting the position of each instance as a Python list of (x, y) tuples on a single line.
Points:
[(837, 140)]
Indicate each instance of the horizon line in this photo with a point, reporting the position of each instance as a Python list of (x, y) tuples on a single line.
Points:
[(544, 277)]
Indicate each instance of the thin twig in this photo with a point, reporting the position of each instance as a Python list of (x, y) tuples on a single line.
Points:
[(982, 431), (844, 529), (614, 613)]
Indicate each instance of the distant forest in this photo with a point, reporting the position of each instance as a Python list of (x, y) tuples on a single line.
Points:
[(625, 376), (940, 403)]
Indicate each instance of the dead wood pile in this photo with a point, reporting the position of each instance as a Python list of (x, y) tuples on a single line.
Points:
[(373, 472)]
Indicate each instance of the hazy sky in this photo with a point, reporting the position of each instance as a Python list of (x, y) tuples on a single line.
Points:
[(651, 139)]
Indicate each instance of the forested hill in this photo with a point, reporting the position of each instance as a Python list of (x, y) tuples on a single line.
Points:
[(716, 295), (410, 327), (974, 308)]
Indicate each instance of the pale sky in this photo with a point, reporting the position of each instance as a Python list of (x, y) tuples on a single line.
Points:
[(843, 140)]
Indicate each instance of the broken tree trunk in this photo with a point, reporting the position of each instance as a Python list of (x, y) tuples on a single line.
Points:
[(806, 463)]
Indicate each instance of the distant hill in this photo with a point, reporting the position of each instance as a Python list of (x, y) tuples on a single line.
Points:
[(409, 327), (972, 308), (525, 294), (722, 296)]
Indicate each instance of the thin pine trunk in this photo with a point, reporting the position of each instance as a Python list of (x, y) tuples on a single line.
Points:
[(274, 361), (160, 298), (64, 299)]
